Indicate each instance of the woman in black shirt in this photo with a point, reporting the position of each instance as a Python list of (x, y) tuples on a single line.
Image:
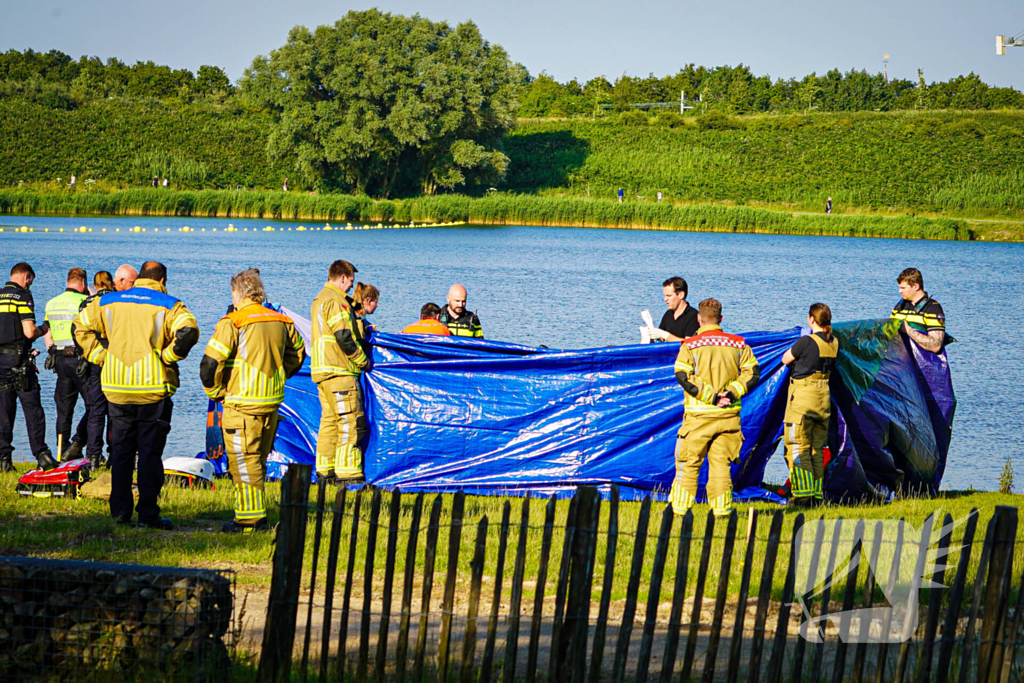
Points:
[(810, 362)]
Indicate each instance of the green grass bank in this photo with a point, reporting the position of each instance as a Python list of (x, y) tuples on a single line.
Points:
[(494, 209), (965, 165)]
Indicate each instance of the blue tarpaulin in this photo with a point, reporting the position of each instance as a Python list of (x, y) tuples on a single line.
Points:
[(448, 413)]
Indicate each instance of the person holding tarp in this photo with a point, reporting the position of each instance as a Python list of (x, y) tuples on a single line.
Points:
[(805, 425), (252, 352), (338, 361), (716, 370), (921, 317)]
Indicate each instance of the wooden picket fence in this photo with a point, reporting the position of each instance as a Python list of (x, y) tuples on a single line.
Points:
[(334, 625)]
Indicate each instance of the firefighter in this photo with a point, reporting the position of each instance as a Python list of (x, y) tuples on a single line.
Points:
[(338, 360), (18, 374), (459, 321), (919, 316), (716, 370), (103, 283), (252, 352), (63, 358), (808, 409), (138, 335)]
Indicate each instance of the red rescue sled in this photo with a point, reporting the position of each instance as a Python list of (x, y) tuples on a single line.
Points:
[(61, 481)]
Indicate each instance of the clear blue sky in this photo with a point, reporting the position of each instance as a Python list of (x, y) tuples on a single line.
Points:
[(567, 38)]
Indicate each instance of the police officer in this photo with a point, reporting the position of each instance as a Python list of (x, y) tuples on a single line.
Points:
[(138, 336), (252, 352), (716, 370), (920, 317), (338, 360), (18, 380), (459, 321), (63, 359), (810, 360)]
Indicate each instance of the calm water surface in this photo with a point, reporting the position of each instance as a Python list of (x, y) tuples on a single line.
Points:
[(575, 288)]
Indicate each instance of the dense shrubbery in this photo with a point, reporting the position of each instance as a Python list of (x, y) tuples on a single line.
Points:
[(932, 161), (492, 209)]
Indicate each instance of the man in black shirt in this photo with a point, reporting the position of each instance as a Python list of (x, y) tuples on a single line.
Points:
[(18, 380), (680, 320)]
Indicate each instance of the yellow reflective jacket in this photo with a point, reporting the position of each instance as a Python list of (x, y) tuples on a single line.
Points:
[(337, 349), (251, 354), (138, 336), (711, 362)]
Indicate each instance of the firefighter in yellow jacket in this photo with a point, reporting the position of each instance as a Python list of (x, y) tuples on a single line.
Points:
[(716, 370), (252, 352), (809, 407), (138, 335), (338, 359)]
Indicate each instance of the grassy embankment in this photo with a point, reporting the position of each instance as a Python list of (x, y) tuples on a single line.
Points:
[(496, 209), (82, 529), (964, 165)]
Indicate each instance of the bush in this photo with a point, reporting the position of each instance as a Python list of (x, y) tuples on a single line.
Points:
[(634, 117), (670, 119), (715, 120), (963, 128)]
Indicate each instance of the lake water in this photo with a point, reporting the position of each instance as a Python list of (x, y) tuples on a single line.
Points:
[(573, 288)]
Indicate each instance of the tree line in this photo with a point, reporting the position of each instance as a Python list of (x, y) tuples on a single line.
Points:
[(736, 90), (56, 80)]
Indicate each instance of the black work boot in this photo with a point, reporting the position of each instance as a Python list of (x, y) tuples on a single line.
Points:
[(72, 452), (45, 460), (6, 465)]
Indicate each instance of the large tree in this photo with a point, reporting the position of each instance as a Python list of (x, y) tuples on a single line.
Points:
[(379, 102)]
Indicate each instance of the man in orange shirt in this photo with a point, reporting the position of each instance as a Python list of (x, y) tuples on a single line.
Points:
[(429, 322)]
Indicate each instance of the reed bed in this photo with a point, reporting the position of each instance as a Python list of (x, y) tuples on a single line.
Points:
[(494, 209)]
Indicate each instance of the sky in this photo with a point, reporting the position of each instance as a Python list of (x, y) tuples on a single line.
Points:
[(566, 38)]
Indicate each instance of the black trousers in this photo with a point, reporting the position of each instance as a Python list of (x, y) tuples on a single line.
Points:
[(96, 402), (70, 385), (31, 405), (140, 429)]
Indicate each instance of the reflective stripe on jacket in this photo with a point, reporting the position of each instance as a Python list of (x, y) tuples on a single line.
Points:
[(61, 311), (466, 325), (252, 352), (138, 336), (712, 362), (336, 351)]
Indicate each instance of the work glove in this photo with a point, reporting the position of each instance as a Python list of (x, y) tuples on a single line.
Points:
[(51, 358), (658, 334)]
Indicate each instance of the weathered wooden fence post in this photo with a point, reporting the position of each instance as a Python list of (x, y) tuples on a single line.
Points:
[(942, 670), (321, 497), (572, 645), (997, 594), (283, 605)]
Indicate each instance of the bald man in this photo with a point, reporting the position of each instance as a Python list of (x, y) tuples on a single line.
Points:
[(125, 277), (459, 321)]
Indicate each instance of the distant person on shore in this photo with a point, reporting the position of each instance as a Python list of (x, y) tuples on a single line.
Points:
[(338, 360), (428, 322), (716, 370), (166, 183), (156, 181), (680, 320), (805, 426), (73, 181), (255, 341), (921, 317), (659, 196), (621, 194), (367, 298), (285, 187), (460, 321), (828, 207)]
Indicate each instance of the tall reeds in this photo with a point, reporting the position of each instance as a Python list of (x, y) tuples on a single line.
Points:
[(494, 209)]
